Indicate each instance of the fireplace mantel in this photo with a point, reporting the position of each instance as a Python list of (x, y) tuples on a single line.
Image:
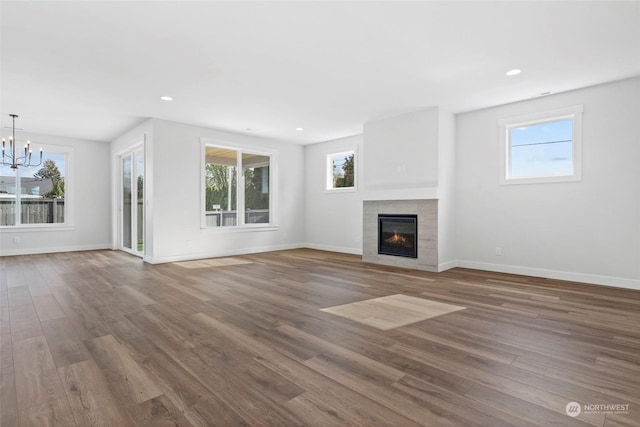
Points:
[(422, 193)]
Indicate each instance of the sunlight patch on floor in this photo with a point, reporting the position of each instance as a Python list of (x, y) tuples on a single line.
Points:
[(392, 311)]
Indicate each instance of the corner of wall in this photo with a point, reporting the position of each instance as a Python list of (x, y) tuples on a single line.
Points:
[(446, 190)]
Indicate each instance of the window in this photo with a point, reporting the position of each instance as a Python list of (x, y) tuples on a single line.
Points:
[(36, 195), (255, 173), (341, 171), (544, 147), (235, 182)]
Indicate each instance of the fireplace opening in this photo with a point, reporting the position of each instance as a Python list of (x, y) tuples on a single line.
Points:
[(398, 235)]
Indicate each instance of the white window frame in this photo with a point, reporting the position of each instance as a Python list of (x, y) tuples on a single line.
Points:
[(68, 193), (329, 170), (573, 112), (240, 222)]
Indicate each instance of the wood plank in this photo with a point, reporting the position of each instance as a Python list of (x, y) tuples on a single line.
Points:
[(88, 393), (189, 290), (37, 380), (616, 420), (380, 370), (18, 295), (65, 346), (137, 296), (8, 399), (24, 323), (172, 378), (213, 412), (520, 389), (586, 377), (306, 405), (127, 380), (467, 347), (232, 334), (47, 308), (462, 410), (158, 411), (240, 393), (54, 413), (393, 400), (86, 322), (159, 332), (524, 409), (15, 275), (278, 388), (6, 345), (329, 393)]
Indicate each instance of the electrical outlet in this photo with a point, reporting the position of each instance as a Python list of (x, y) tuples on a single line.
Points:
[(188, 243), (16, 240), (498, 251)]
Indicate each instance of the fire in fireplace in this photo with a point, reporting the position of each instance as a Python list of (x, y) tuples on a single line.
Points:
[(398, 235)]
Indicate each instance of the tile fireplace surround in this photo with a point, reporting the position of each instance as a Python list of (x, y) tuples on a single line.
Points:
[(427, 211)]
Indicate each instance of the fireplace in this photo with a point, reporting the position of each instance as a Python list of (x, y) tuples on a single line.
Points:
[(426, 239), (398, 235)]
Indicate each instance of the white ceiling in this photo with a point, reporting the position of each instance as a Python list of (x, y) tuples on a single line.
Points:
[(95, 69)]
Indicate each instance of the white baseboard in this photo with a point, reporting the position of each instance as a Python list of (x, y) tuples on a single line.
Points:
[(447, 265), (49, 250), (618, 282), (341, 249), (218, 254)]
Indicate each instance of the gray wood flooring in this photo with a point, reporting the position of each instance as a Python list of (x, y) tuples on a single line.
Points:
[(99, 338)]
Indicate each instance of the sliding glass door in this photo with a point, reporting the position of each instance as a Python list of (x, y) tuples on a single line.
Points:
[(132, 202)]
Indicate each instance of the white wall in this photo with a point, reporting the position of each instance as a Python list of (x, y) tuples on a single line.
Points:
[(401, 152), (90, 190), (333, 219), (587, 230), (411, 156), (176, 195), (446, 190)]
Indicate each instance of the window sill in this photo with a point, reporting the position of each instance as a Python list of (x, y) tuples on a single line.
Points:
[(35, 228), (340, 190), (241, 228), (541, 180)]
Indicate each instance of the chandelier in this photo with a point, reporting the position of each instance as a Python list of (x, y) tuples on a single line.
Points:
[(14, 159)]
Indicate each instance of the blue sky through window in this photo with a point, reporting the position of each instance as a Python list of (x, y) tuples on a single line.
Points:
[(543, 149)]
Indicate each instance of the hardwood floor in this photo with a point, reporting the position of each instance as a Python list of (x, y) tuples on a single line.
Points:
[(99, 338)]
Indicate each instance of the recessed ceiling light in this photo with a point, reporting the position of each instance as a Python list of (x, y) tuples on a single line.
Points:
[(513, 72), (166, 98), (299, 129)]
